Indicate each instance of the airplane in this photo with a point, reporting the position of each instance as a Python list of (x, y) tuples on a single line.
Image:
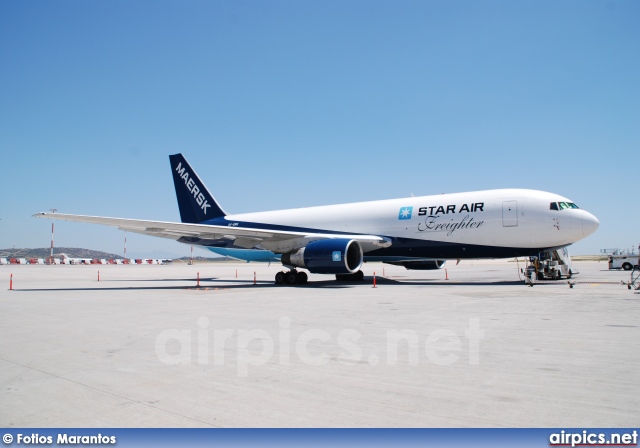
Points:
[(415, 232), (66, 259)]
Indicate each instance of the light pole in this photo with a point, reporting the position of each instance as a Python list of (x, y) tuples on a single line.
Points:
[(53, 210)]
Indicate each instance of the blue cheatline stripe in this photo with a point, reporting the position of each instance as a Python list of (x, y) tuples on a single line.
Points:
[(246, 254), (406, 247), (402, 249)]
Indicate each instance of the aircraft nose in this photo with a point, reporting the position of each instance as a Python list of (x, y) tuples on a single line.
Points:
[(589, 223)]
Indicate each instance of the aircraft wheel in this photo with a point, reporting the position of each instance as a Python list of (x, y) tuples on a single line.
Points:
[(292, 277), (302, 278), (340, 277), (280, 278), (359, 276)]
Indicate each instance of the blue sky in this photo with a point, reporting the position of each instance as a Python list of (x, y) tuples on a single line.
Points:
[(282, 104)]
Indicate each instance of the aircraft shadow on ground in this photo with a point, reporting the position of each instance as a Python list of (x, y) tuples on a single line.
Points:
[(212, 283), (334, 283), (428, 282)]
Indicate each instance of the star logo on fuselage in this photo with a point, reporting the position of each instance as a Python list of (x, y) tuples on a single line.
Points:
[(405, 213)]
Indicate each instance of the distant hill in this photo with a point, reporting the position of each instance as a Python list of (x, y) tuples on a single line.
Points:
[(43, 252)]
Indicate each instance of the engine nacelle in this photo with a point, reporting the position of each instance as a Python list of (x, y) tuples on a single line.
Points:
[(328, 256), (423, 265)]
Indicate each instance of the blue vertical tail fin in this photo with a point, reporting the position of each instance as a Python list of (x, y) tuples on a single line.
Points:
[(195, 202)]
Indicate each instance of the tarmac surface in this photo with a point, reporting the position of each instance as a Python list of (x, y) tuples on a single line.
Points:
[(144, 347)]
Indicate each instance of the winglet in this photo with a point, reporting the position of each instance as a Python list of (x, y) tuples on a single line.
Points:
[(195, 202)]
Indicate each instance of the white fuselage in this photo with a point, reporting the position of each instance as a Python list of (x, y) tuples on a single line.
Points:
[(508, 218)]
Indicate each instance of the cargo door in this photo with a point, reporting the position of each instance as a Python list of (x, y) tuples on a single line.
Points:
[(510, 213)]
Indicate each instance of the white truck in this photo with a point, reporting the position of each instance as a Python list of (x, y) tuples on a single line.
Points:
[(626, 261), (622, 259)]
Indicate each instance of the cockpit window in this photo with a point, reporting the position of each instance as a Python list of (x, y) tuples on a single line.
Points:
[(562, 205)]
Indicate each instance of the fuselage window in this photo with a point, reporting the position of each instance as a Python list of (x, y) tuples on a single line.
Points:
[(553, 206)]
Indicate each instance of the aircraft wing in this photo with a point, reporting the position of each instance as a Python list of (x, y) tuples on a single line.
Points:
[(177, 230)]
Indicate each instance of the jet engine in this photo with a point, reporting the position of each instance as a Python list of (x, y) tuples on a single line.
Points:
[(328, 256), (422, 265)]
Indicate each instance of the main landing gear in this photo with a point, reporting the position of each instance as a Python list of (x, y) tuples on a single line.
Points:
[(294, 277), (291, 277)]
